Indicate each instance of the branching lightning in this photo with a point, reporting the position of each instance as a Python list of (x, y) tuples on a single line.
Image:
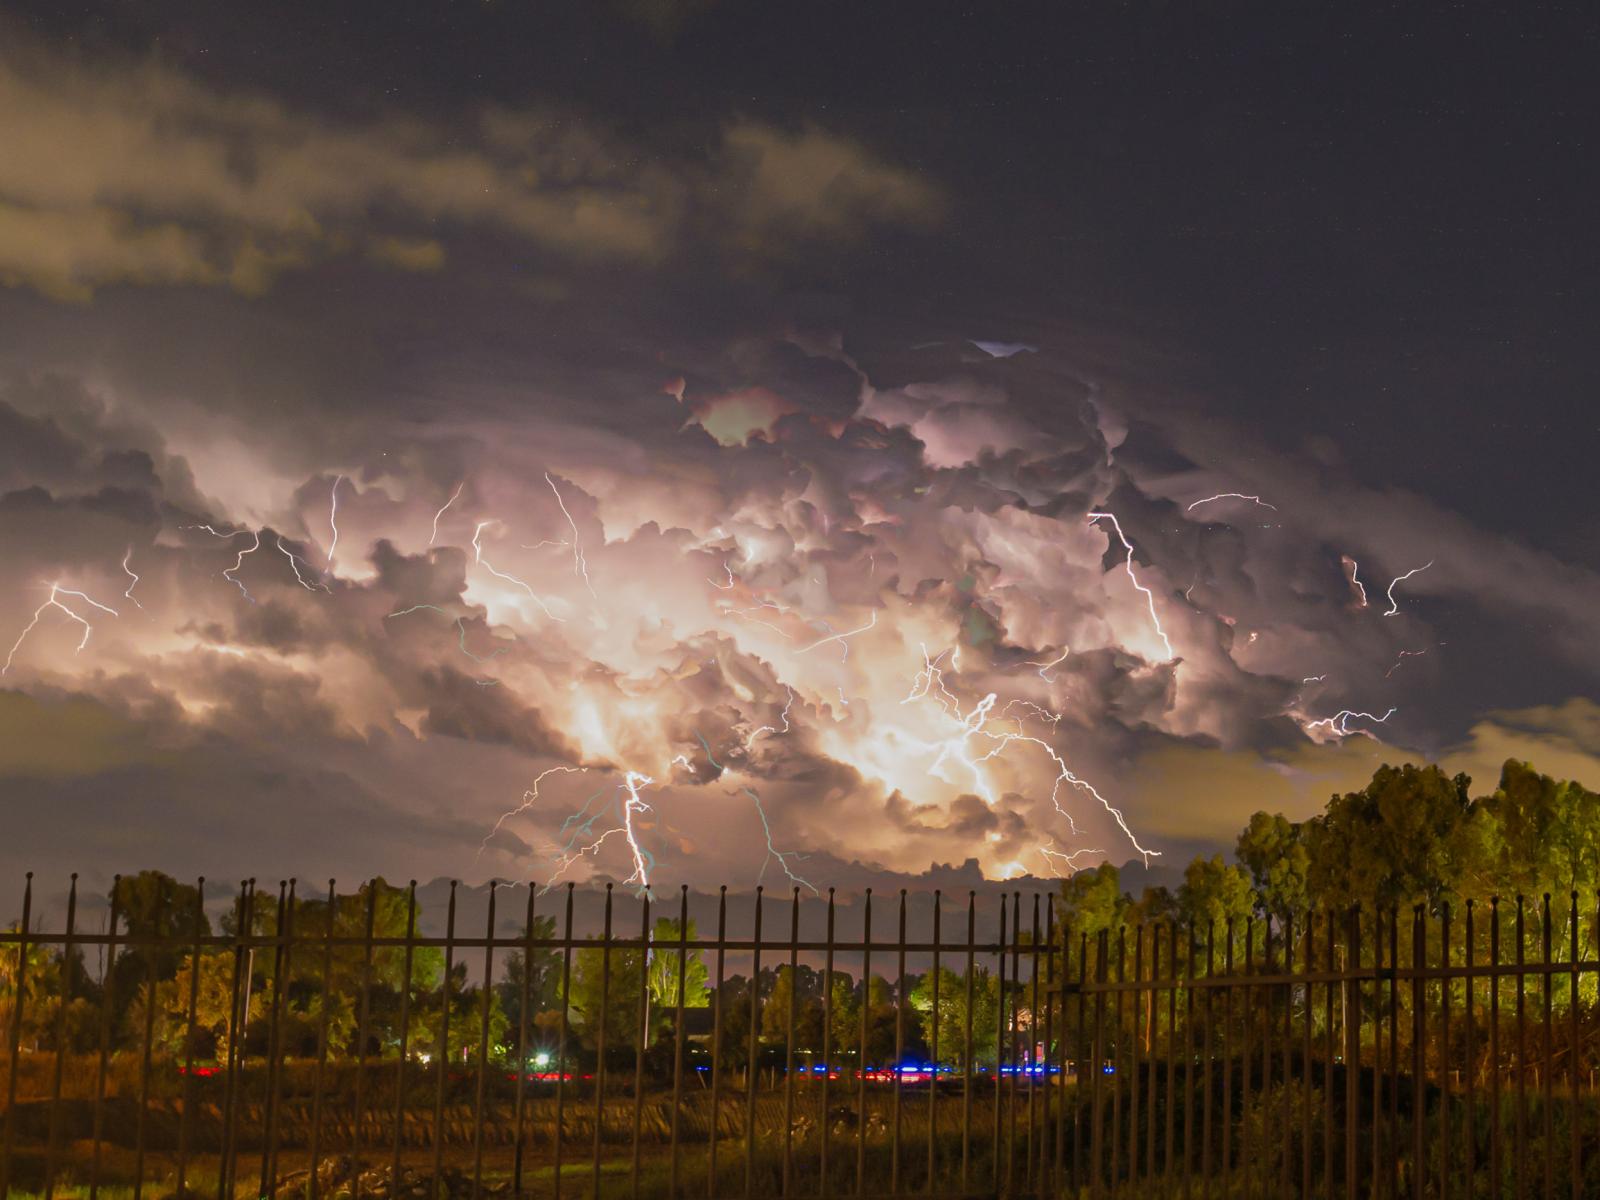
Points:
[(229, 575), (54, 601), (631, 783), (1149, 596), (461, 632), (782, 856), (529, 799), (1066, 653), (480, 560), (1339, 723), (294, 563), (1394, 605), (1051, 855), (579, 564), (929, 682), (840, 637)]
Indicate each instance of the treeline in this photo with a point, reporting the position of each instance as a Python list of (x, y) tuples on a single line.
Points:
[(1413, 836), (188, 1002), (1413, 839)]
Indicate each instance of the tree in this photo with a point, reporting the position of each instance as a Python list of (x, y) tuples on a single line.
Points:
[(1093, 900), (952, 1046), (663, 969), (1213, 893), (608, 1000), (1395, 843), (541, 979), (1275, 852)]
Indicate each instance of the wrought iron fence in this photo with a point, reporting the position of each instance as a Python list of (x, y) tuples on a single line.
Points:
[(327, 1047)]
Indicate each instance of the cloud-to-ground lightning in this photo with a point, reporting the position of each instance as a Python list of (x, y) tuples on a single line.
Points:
[(1256, 500), (1149, 596), (333, 518), (480, 560), (128, 595), (631, 806), (434, 536), (1351, 565), (1394, 605), (54, 601), (579, 563)]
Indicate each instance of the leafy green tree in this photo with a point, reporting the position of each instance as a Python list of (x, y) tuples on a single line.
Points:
[(1395, 843), (952, 1047), (1213, 893), (664, 969), (1275, 852), (609, 1001), (1093, 900), (39, 987)]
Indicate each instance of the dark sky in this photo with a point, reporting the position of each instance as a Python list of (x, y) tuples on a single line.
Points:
[(1375, 225), (1344, 253)]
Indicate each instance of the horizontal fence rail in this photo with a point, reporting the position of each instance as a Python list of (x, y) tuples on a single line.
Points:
[(322, 1045)]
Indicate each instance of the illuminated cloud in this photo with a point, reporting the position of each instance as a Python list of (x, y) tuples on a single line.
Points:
[(133, 172)]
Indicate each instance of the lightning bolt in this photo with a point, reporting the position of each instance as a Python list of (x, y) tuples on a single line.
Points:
[(1338, 724), (333, 517), (1257, 500), (239, 562), (973, 725), (773, 852), (128, 595), (453, 497), (477, 550), (1404, 654), (1355, 582), (529, 799), (724, 586), (755, 733), (1394, 605), (1066, 652), (461, 631), (579, 564), (1149, 596), (294, 563), (631, 783), (54, 601), (1050, 854), (782, 856), (840, 637)]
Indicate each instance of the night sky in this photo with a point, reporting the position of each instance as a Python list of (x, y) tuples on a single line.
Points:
[(663, 441)]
